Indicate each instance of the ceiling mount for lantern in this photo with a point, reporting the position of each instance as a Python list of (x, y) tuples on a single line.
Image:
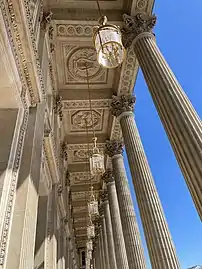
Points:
[(107, 40)]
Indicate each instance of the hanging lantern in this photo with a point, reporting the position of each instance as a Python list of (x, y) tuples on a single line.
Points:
[(96, 161), (93, 204), (91, 231), (93, 208), (89, 245), (89, 255), (87, 263), (108, 44)]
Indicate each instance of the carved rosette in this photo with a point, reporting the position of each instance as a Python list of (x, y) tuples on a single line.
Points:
[(108, 176), (113, 147), (58, 107), (121, 104), (135, 25)]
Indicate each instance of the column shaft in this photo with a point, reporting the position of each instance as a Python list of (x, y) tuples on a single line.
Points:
[(159, 242), (111, 250), (119, 244), (134, 248), (102, 250), (180, 120), (105, 243), (23, 230)]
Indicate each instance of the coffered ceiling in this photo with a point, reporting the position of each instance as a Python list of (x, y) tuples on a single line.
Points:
[(73, 29)]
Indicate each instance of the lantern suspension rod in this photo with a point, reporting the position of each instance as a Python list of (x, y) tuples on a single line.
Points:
[(88, 154), (90, 102), (99, 9)]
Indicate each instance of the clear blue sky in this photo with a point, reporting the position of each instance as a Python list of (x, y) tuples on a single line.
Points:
[(179, 36)]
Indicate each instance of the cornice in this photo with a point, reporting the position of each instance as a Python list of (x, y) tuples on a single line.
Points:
[(16, 15)]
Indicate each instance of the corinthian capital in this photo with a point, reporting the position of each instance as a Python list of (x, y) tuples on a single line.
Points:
[(113, 147), (135, 25), (122, 104), (108, 176)]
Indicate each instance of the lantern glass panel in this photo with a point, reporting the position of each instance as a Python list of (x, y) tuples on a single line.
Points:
[(109, 47), (89, 245), (97, 164), (91, 231), (93, 208)]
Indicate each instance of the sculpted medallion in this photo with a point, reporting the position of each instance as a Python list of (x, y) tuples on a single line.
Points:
[(82, 58)]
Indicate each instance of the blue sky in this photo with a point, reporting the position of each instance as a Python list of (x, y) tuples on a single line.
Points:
[(179, 36)]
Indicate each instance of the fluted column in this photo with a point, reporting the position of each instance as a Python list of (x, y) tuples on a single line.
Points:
[(134, 248), (104, 236), (159, 242), (102, 248), (109, 232), (101, 252), (180, 120), (119, 244)]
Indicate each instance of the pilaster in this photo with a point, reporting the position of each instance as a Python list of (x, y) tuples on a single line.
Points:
[(23, 230)]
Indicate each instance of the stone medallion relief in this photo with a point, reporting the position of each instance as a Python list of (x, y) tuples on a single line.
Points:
[(82, 120), (77, 59)]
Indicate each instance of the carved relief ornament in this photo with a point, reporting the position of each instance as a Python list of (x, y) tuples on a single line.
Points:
[(122, 104), (113, 147), (108, 176), (58, 107), (135, 25)]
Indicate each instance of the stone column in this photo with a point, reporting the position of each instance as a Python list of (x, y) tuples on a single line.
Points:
[(109, 232), (134, 248), (181, 122), (102, 254), (119, 244), (159, 242), (97, 257), (23, 229), (97, 251), (104, 236)]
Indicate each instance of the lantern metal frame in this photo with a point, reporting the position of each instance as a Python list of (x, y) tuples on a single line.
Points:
[(97, 35)]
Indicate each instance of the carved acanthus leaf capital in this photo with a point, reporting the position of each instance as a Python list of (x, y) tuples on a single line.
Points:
[(108, 176), (122, 104), (135, 25), (104, 196), (113, 147)]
